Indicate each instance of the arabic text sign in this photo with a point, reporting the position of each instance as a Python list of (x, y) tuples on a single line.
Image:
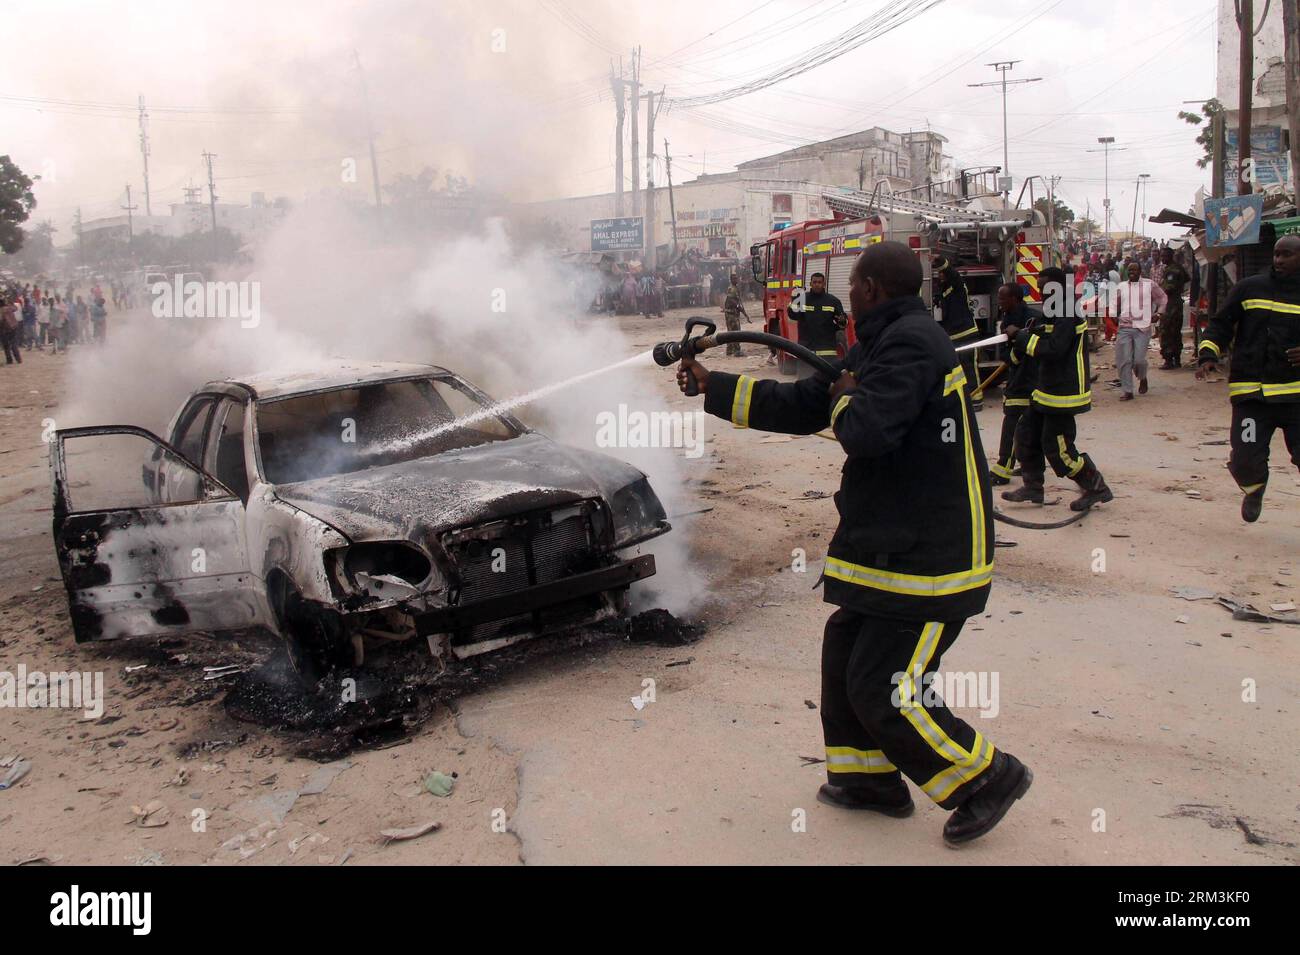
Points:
[(1233, 221), (617, 235)]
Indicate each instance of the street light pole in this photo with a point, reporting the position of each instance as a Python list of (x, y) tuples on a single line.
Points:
[(1003, 68), (1105, 148)]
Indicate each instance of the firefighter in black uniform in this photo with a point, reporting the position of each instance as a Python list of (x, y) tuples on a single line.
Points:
[(957, 318), (1260, 322), (1022, 376), (820, 316), (911, 558), (1047, 427)]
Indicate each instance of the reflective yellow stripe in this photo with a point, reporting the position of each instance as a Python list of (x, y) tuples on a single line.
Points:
[(846, 759), (831, 352), (966, 764), (1015, 402), (974, 494), (1271, 305), (1207, 344), (954, 380), (915, 585), (740, 403), (1250, 488), (1073, 465), (1032, 345), (944, 783), (1062, 401), (773, 284), (1274, 389), (839, 407), (1000, 470), (1243, 387), (853, 243), (966, 334)]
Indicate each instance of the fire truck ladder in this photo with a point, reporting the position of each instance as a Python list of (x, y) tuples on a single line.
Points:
[(857, 205)]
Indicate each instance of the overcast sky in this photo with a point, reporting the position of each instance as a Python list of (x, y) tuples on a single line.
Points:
[(515, 94)]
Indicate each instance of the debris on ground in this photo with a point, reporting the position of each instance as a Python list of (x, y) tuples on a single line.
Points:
[(440, 784), (661, 628), (1244, 611), (412, 832), (150, 816), (17, 769), (323, 777), (1192, 593)]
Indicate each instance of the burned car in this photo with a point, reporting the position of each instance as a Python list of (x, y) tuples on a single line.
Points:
[(386, 501)]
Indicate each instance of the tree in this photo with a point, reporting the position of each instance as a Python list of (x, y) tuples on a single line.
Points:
[(1086, 226), (1206, 136), (1061, 212), (16, 204)]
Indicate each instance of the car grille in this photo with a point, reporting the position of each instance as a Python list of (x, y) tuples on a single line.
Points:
[(537, 547)]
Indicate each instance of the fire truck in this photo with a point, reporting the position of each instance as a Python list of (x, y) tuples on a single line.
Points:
[(989, 248)]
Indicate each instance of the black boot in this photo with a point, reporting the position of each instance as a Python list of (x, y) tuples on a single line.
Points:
[(1031, 492), (998, 480), (1095, 490), (1252, 505), (896, 802), (1009, 780)]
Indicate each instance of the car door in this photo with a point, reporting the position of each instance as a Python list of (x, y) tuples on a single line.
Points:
[(137, 565)]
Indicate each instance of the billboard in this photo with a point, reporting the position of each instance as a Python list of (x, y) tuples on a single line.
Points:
[(618, 235), (1270, 160), (1233, 221)]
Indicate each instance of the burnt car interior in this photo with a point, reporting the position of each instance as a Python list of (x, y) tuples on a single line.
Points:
[(352, 429)]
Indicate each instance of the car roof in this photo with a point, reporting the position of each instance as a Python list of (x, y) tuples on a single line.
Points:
[(335, 373)]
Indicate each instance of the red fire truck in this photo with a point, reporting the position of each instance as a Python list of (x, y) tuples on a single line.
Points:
[(989, 247)]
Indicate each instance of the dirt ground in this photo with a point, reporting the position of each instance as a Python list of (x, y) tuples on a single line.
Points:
[(1126, 700)]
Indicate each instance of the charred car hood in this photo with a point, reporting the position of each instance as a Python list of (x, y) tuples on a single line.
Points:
[(416, 500)]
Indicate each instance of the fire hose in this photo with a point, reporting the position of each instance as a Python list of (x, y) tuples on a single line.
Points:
[(667, 353)]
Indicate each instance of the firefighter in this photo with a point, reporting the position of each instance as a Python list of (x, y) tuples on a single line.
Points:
[(1172, 282), (820, 316), (1260, 322), (957, 318), (732, 309), (911, 558), (1047, 427), (1022, 376)]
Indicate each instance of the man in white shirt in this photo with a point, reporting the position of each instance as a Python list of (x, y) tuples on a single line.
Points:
[(1140, 301)]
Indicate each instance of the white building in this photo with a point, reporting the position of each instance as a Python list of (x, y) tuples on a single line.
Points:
[(724, 213)]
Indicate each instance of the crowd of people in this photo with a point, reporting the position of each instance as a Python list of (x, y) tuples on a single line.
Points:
[(32, 317)]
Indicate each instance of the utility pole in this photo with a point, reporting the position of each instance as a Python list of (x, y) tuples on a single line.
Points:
[(1132, 225), (1144, 177), (672, 205), (1003, 68), (651, 256), (1106, 147), (370, 137), (144, 153), (1218, 129), (130, 228), (616, 87), (212, 200), (636, 142), (81, 247), (1245, 83), (1291, 33)]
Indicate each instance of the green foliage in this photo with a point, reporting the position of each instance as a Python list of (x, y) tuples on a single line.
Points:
[(16, 204), (1205, 137)]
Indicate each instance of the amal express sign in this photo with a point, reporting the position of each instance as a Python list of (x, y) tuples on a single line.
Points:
[(618, 235)]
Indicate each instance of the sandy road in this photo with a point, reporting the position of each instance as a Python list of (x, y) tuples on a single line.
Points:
[(1142, 746)]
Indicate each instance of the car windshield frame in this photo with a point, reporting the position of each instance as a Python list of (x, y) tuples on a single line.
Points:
[(509, 421)]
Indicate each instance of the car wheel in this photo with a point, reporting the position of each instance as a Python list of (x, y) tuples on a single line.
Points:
[(316, 639)]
